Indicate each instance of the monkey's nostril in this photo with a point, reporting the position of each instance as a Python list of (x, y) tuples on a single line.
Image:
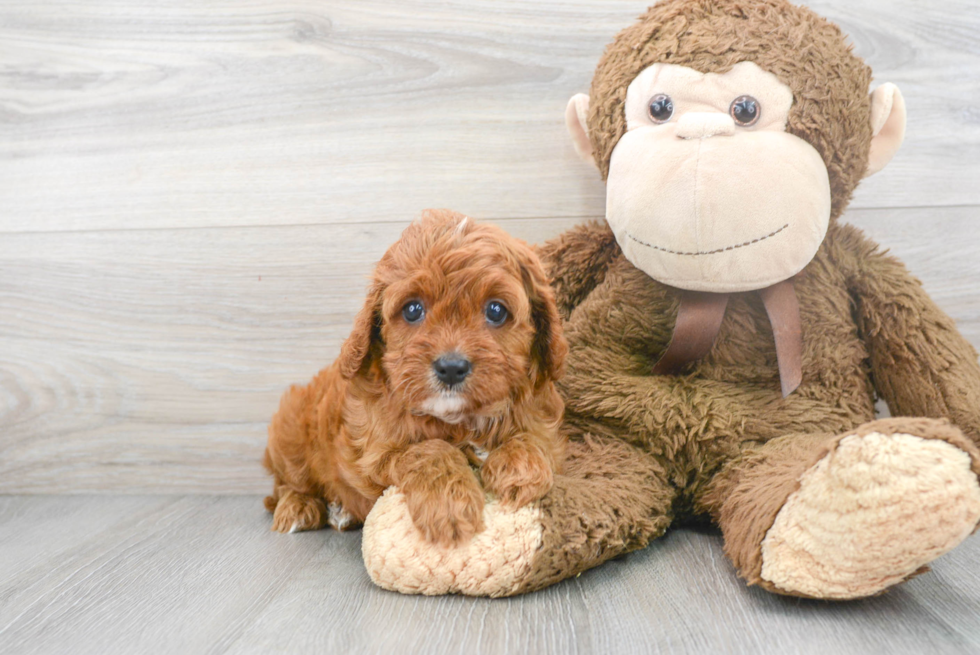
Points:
[(703, 125), (451, 369)]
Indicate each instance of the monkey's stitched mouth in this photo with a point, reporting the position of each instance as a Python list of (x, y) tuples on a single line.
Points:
[(708, 252)]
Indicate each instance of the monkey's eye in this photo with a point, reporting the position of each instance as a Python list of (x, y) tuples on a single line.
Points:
[(413, 311), (496, 313), (745, 110), (661, 108)]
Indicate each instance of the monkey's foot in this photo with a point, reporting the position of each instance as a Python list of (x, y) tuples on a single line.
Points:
[(611, 499), (873, 512), (495, 562)]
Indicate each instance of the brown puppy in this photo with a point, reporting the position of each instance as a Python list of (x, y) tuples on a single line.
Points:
[(451, 360)]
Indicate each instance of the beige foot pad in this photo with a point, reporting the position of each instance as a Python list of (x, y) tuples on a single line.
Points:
[(494, 563), (870, 514)]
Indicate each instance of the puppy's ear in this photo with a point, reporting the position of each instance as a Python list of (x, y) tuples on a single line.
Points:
[(550, 348), (365, 338)]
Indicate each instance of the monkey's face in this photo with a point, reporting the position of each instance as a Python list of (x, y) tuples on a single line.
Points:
[(706, 189), (725, 165)]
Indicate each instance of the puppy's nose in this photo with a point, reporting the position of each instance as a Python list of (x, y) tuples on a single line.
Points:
[(451, 369)]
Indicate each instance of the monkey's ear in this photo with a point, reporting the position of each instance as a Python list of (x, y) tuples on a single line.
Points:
[(365, 338), (576, 116), (887, 126)]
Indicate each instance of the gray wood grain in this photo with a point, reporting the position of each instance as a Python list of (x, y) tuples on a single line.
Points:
[(205, 575), (193, 194), (149, 115), (151, 361), (191, 197)]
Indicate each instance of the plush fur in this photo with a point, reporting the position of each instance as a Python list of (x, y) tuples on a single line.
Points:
[(831, 109), (379, 416), (719, 442), (869, 328)]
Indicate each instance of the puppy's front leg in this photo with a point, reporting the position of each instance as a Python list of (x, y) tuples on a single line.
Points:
[(442, 493), (519, 471)]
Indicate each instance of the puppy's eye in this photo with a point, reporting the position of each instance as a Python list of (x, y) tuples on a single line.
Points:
[(496, 313), (413, 311)]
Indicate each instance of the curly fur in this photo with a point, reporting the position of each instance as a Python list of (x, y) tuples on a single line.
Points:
[(378, 417)]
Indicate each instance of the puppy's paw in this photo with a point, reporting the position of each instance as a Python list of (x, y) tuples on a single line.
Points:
[(518, 474), (446, 506), (297, 512)]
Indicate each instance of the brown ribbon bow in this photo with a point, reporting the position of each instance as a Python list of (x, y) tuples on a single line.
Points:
[(699, 320)]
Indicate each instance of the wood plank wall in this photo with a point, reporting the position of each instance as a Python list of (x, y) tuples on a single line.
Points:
[(192, 195)]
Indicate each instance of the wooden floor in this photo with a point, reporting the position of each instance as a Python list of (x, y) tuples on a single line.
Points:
[(203, 574), (191, 196)]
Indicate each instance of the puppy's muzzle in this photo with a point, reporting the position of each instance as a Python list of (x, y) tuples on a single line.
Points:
[(452, 369)]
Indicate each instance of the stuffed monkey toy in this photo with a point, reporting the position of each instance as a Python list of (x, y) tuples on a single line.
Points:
[(729, 335)]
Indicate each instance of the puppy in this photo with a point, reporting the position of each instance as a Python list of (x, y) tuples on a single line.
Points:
[(452, 361)]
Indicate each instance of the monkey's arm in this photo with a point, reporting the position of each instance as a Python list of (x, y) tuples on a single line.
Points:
[(609, 387), (615, 337), (661, 413), (920, 363), (576, 261)]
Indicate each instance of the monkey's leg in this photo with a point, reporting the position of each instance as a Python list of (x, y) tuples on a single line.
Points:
[(850, 515), (611, 499)]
